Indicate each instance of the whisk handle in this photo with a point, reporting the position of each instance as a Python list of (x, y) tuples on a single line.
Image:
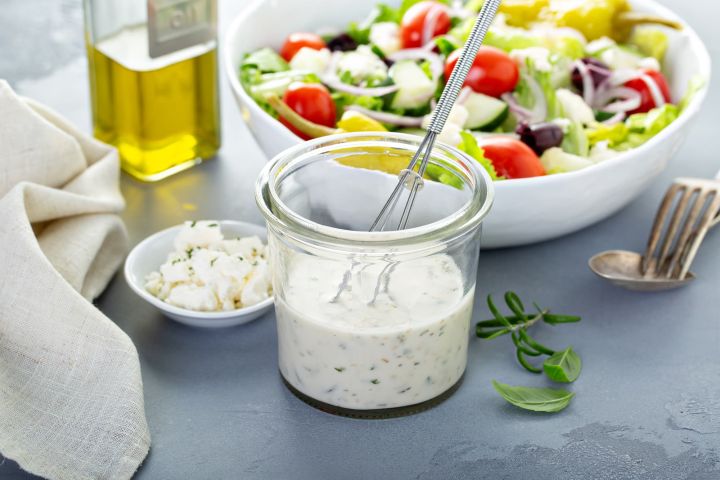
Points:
[(462, 67)]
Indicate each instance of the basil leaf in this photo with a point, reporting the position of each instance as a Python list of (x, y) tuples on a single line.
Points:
[(535, 399), (563, 366)]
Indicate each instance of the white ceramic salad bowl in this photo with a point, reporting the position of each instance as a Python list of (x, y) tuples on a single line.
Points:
[(526, 210)]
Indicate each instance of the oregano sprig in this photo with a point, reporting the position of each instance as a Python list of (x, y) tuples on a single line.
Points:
[(561, 366), (517, 326)]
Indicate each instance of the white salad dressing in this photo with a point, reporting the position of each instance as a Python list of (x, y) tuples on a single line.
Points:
[(407, 346)]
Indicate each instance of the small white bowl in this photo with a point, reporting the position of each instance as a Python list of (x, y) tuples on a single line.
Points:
[(148, 255)]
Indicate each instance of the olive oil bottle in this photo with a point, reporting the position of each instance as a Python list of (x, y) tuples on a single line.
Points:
[(153, 83)]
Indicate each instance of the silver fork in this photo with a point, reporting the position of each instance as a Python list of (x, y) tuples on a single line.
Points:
[(696, 212)]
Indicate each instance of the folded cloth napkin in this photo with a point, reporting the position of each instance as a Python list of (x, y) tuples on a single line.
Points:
[(71, 398)]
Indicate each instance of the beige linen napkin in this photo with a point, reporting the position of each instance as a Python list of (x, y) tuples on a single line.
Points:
[(71, 399)]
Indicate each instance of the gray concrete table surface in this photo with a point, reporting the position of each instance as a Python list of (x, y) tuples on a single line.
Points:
[(648, 400)]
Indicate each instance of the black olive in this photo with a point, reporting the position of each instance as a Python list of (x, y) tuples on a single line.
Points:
[(342, 43), (540, 136)]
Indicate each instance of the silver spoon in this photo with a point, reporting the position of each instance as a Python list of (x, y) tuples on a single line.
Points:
[(666, 265)]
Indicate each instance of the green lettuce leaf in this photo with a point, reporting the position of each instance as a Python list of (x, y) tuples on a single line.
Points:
[(510, 38), (265, 60), (696, 84), (440, 174), (343, 100), (470, 146), (576, 141), (636, 130), (360, 31)]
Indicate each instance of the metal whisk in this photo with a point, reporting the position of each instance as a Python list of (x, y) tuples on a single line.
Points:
[(409, 177)]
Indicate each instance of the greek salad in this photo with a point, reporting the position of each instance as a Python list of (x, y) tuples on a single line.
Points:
[(557, 86)]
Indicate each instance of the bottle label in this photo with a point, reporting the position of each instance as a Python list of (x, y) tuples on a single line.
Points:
[(177, 24)]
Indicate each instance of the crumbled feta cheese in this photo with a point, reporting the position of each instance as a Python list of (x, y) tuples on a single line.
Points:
[(193, 297), (311, 60), (575, 107), (649, 63), (361, 64), (207, 272), (198, 234), (539, 56), (386, 35), (453, 125)]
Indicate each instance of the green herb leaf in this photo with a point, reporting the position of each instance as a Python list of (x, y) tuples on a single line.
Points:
[(535, 399), (517, 326), (552, 319), (563, 366), (532, 343)]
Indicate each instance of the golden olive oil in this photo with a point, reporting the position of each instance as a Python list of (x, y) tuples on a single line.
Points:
[(161, 113)]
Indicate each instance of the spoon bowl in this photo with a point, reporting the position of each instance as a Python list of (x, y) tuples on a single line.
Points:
[(623, 268)]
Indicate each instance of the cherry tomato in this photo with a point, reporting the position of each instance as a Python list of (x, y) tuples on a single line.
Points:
[(646, 99), (295, 41), (512, 158), (412, 25), (313, 102), (493, 72)]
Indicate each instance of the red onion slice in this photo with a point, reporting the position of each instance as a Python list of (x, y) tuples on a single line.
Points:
[(336, 84), (622, 106), (430, 23), (588, 90), (436, 63), (617, 118), (539, 109), (655, 92), (389, 118), (520, 112), (614, 93), (620, 77)]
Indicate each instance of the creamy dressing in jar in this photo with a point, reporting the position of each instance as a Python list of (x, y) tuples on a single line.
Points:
[(363, 351)]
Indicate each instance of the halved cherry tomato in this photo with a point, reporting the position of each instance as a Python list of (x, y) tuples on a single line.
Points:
[(511, 158), (414, 21), (313, 102), (493, 72), (647, 102), (295, 41)]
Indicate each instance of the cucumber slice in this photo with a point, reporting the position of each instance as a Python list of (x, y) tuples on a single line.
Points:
[(415, 88), (484, 112)]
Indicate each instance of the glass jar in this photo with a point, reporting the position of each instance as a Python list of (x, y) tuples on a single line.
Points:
[(372, 324), (153, 82)]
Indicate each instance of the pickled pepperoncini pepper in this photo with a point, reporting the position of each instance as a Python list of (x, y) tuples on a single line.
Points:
[(593, 18)]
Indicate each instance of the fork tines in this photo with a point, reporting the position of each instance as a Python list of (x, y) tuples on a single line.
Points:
[(697, 209)]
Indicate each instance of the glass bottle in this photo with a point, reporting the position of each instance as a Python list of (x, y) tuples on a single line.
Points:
[(153, 82), (371, 324)]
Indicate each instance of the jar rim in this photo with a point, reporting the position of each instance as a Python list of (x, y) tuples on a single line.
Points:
[(469, 216)]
